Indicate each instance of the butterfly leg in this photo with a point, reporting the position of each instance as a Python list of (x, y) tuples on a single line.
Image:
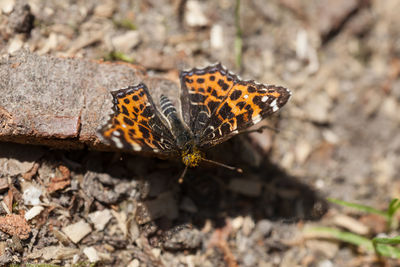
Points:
[(180, 180)]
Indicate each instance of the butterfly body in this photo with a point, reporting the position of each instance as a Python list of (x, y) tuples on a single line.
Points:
[(215, 105)]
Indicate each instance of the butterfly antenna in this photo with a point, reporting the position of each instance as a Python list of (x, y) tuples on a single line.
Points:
[(180, 180), (239, 170)]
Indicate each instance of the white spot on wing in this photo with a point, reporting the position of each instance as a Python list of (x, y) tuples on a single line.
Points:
[(246, 96), (117, 142), (257, 119), (115, 133), (264, 98), (136, 147), (124, 125), (274, 105)]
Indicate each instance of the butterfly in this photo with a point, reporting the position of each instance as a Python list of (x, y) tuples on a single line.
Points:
[(215, 106)]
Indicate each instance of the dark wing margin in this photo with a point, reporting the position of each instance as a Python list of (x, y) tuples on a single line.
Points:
[(136, 124)]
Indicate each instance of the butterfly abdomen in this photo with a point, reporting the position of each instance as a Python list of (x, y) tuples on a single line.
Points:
[(181, 133), (167, 108)]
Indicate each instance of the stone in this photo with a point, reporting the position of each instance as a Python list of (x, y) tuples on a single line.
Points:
[(31, 195), (33, 212), (216, 36), (92, 254), (195, 16), (100, 219), (77, 231)]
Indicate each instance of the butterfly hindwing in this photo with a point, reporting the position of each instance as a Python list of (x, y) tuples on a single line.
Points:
[(136, 124)]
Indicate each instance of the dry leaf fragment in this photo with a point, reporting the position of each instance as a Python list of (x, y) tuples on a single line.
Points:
[(32, 172), (58, 183)]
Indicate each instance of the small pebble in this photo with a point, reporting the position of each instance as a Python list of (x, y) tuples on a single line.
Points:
[(194, 14), (33, 212), (77, 231), (216, 37), (100, 218), (15, 45), (7, 6), (262, 229), (105, 9), (134, 263), (91, 253), (31, 195)]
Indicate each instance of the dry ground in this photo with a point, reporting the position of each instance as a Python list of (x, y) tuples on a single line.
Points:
[(339, 137)]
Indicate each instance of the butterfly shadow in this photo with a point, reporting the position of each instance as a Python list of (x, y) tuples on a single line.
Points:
[(208, 193), (264, 191), (161, 205)]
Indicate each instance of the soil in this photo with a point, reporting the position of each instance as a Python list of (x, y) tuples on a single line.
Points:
[(337, 137)]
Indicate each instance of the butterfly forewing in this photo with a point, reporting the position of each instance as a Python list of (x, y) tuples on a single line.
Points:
[(247, 104), (203, 90), (136, 124), (220, 104)]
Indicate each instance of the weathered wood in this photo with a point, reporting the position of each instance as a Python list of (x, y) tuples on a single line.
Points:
[(60, 102)]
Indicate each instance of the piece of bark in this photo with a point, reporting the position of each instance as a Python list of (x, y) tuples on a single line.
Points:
[(61, 102)]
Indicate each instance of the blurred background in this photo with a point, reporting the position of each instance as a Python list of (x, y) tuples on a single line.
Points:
[(339, 134)]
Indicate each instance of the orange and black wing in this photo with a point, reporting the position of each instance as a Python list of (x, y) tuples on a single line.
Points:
[(203, 90), (220, 104), (136, 124), (246, 104)]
